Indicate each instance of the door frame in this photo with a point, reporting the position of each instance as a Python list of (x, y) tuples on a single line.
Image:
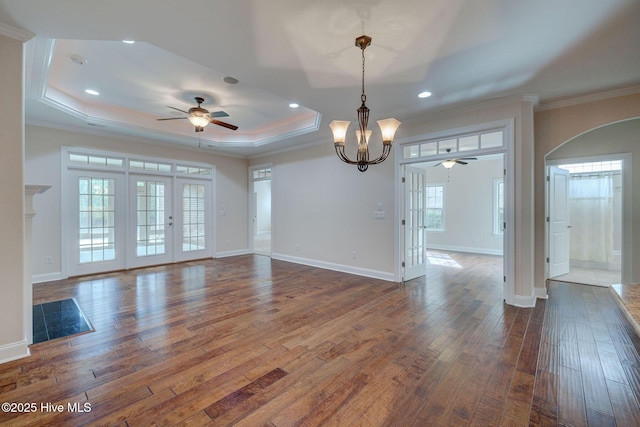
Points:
[(251, 205), (508, 149), (179, 169), (627, 223)]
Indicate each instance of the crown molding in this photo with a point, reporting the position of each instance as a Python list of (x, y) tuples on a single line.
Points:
[(492, 103), (589, 98), (15, 33)]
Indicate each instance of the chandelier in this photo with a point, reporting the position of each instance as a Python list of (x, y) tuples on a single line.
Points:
[(339, 128)]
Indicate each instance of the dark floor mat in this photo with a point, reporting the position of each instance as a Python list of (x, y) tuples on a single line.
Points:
[(58, 319)]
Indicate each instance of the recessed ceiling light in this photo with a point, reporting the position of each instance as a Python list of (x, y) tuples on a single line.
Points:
[(424, 94), (92, 92), (293, 105), (128, 41), (77, 59)]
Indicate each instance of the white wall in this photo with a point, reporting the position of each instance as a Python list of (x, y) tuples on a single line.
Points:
[(469, 206), (323, 211), (43, 163), (263, 208)]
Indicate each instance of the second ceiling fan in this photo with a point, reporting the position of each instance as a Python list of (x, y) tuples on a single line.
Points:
[(449, 163), (201, 117)]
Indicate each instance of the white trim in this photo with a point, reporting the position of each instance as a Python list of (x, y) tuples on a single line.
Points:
[(14, 351), (47, 277), (69, 168), (375, 274), (534, 98), (466, 249), (541, 293), (508, 149), (235, 252), (524, 301), (600, 96), (15, 33)]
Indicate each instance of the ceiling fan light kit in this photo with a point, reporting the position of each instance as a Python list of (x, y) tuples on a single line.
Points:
[(449, 163), (388, 127), (200, 117)]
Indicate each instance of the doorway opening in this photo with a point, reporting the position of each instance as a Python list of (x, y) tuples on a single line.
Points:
[(261, 209), (455, 216), (586, 244)]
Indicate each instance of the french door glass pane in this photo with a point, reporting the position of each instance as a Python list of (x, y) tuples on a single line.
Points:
[(96, 211), (193, 234), (150, 227)]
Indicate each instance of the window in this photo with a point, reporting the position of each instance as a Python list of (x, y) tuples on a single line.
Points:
[(96, 232), (435, 207), (498, 206), (193, 215), (262, 174), (466, 142)]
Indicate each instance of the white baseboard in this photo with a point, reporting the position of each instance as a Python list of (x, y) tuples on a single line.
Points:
[(236, 252), (466, 249), (374, 274), (48, 277), (14, 351), (541, 293), (523, 301)]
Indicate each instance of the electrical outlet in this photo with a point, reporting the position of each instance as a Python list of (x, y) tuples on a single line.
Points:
[(48, 259)]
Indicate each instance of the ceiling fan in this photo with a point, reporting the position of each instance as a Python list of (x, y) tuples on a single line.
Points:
[(449, 163), (201, 117)]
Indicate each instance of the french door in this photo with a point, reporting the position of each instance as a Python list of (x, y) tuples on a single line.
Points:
[(118, 221), (415, 184), (97, 222), (151, 217), (193, 222)]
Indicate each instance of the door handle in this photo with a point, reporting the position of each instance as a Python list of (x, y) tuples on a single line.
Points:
[(568, 226)]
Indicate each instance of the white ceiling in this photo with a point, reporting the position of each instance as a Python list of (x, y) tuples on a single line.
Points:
[(303, 51)]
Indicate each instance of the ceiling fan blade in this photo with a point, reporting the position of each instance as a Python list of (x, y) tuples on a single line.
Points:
[(468, 158), (177, 109), (173, 118), (461, 162), (223, 124), (218, 114)]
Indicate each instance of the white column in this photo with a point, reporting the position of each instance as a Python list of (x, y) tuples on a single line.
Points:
[(29, 213)]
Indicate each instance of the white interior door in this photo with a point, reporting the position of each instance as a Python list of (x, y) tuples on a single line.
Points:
[(151, 217), (558, 221), (415, 230), (194, 229)]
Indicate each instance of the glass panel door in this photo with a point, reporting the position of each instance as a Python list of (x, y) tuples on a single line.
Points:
[(97, 223), (152, 219), (193, 217), (415, 212)]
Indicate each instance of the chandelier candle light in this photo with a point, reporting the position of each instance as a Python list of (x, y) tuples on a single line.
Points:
[(339, 128)]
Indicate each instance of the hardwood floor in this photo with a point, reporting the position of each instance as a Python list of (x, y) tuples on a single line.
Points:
[(247, 341)]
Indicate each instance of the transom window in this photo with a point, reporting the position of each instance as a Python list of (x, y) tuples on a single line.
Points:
[(469, 142)]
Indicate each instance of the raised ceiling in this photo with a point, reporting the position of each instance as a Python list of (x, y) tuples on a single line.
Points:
[(302, 51)]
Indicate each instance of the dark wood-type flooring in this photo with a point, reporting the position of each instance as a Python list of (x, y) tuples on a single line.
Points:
[(249, 341)]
